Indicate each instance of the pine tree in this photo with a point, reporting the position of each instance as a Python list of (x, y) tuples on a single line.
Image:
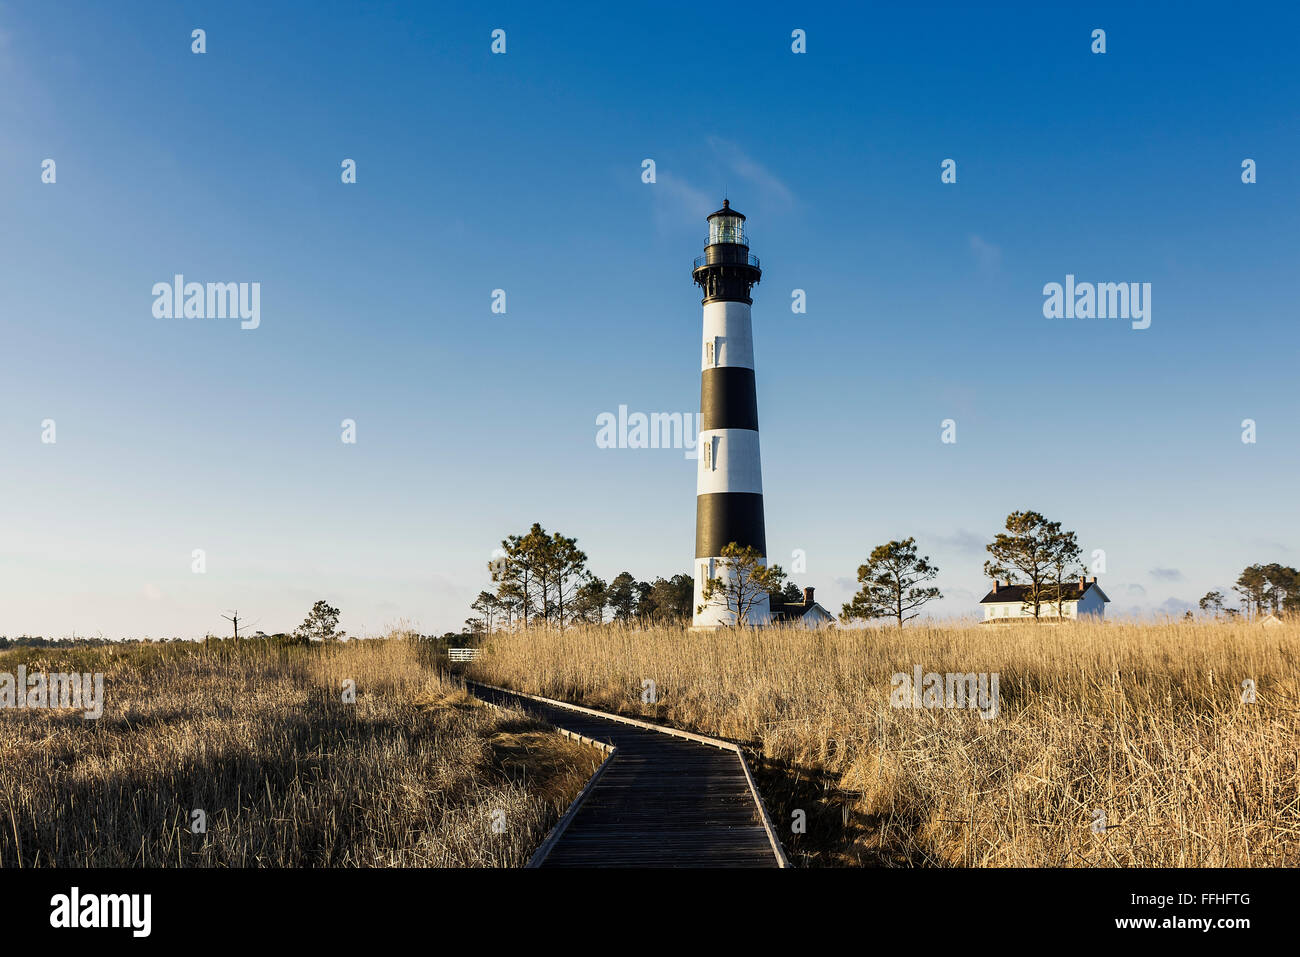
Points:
[(892, 584)]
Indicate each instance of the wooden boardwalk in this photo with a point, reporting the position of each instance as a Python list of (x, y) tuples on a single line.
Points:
[(659, 800)]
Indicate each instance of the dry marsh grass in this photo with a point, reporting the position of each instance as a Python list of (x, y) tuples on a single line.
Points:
[(1143, 722), (289, 775)]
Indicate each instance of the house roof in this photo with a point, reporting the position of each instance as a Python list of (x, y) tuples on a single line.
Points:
[(1016, 593), (796, 609)]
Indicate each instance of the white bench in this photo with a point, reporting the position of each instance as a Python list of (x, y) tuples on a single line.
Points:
[(463, 654)]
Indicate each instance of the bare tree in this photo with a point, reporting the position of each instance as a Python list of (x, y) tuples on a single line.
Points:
[(746, 582)]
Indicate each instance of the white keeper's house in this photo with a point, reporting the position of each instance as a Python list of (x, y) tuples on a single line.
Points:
[(1082, 598)]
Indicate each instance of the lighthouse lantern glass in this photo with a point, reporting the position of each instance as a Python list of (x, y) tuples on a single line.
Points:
[(727, 229)]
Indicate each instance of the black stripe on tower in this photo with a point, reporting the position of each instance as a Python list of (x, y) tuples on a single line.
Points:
[(728, 399), (724, 517)]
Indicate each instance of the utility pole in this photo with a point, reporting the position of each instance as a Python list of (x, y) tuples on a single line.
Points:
[(234, 618)]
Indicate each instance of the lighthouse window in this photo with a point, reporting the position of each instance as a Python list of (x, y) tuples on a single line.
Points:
[(708, 455), (708, 353), (726, 229)]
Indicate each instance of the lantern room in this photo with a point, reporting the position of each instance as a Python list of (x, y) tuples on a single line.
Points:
[(727, 226)]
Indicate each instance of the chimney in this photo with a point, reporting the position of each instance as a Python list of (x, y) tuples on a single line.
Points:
[(807, 597), (995, 586), (1094, 579), (1083, 583)]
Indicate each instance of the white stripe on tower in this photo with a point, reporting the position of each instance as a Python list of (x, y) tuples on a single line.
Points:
[(728, 328), (731, 463)]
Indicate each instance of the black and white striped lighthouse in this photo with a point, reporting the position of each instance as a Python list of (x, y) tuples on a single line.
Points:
[(729, 486)]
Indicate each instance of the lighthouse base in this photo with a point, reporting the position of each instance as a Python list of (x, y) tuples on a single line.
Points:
[(716, 613)]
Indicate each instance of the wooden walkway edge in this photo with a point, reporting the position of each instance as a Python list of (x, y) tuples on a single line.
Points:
[(661, 798)]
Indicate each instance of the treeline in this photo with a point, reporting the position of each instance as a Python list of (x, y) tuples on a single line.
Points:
[(1264, 589), (542, 578), (1045, 560), (37, 641)]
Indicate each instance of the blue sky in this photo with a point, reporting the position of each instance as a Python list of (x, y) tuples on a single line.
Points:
[(522, 172)]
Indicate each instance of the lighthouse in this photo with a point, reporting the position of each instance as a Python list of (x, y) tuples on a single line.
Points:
[(729, 484)]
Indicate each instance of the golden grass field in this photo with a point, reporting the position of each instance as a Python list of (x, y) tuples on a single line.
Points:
[(1143, 722), (257, 736)]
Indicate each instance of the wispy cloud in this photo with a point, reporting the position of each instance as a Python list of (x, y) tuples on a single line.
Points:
[(962, 541), (770, 187), (1271, 545), (1166, 574), (988, 256), (677, 201)]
